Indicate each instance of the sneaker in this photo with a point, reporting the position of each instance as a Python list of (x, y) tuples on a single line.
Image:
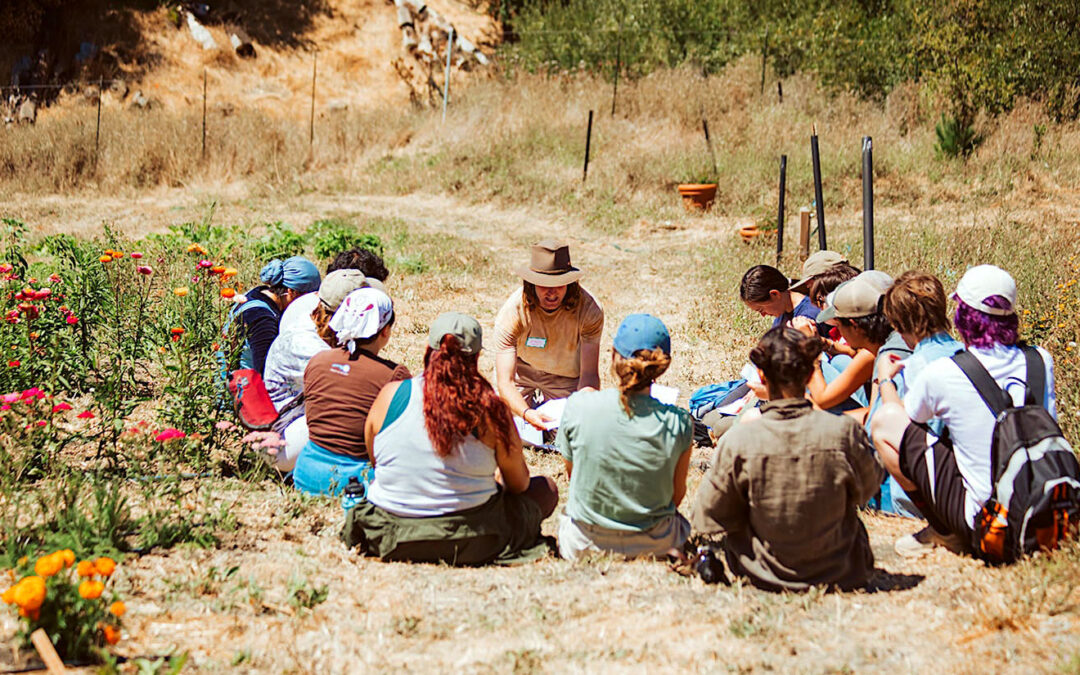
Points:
[(924, 541)]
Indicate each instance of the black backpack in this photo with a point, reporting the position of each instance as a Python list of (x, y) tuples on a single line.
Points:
[(1035, 501)]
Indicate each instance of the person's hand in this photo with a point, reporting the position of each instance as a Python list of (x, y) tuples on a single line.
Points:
[(804, 325), (759, 390), (889, 367), (537, 419)]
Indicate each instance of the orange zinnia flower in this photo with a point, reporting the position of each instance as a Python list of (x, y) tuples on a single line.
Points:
[(48, 565), (105, 566), (181, 291), (228, 293), (91, 590), (117, 609), (112, 634), (105, 259)]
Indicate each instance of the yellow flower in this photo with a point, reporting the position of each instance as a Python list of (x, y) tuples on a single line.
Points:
[(30, 593), (48, 565), (105, 259), (105, 566), (181, 291), (91, 590), (229, 272)]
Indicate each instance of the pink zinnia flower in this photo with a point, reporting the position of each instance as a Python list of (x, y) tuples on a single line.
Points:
[(5, 407), (205, 263), (13, 364), (136, 255), (41, 423), (42, 293), (54, 278), (85, 415), (61, 407), (169, 434), (10, 398), (71, 319), (144, 269)]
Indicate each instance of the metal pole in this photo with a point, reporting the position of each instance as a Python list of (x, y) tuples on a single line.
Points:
[(764, 58), (618, 67), (779, 91), (815, 156), (708, 142), (311, 123), (868, 202), (780, 210), (446, 86), (204, 113), (97, 129), (588, 144)]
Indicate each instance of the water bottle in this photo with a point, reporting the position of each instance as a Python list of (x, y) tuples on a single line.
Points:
[(709, 568), (353, 493)]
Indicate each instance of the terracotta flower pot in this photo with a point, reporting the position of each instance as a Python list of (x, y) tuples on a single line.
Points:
[(749, 232), (697, 197)]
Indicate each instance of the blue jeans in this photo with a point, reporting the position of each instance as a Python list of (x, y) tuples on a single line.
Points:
[(321, 472)]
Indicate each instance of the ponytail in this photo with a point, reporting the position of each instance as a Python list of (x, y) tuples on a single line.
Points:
[(637, 373)]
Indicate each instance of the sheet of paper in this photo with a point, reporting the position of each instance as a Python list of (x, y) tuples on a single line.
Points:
[(664, 394), (529, 433), (553, 409), (749, 373)]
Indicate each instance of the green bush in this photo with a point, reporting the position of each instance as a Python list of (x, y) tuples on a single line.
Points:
[(330, 237), (279, 242), (954, 138)]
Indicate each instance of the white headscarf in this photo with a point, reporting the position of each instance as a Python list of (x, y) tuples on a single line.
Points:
[(362, 314)]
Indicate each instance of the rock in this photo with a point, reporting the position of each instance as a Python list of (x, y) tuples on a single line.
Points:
[(200, 33), (27, 112), (140, 100)]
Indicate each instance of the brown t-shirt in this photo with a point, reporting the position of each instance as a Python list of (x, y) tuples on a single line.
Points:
[(339, 389), (550, 342)]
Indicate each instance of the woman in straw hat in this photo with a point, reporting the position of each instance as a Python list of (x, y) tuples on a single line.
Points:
[(547, 334)]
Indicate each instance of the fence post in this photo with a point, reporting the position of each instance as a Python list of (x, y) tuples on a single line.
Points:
[(618, 67), (204, 114), (708, 142), (97, 129), (764, 59), (815, 156), (446, 84), (311, 123), (868, 202), (780, 211), (804, 232), (780, 92), (588, 143)]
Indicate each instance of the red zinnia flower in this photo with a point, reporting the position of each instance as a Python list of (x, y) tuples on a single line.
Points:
[(13, 364), (86, 415)]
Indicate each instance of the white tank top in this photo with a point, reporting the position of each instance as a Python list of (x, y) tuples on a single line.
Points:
[(412, 481)]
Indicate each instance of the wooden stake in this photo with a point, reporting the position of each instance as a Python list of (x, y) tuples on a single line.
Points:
[(588, 143), (204, 113), (780, 92), (780, 211), (804, 233), (764, 59), (618, 67), (446, 79), (97, 130), (47, 652), (311, 124), (708, 142)]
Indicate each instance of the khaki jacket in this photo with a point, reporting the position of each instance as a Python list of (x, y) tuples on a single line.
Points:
[(785, 489)]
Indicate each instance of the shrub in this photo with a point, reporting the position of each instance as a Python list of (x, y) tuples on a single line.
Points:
[(330, 237), (954, 138)]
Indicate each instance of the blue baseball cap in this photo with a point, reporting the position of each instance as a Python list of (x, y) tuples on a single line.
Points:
[(641, 331)]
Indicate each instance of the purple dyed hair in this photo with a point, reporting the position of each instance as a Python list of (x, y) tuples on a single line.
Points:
[(978, 329)]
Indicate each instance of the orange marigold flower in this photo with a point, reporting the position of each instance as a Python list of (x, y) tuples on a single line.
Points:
[(105, 259), (8, 596), (30, 593), (112, 634), (105, 566), (85, 568), (48, 565), (117, 255), (217, 269), (91, 590), (229, 272), (117, 609), (181, 291), (32, 614), (68, 555), (228, 293)]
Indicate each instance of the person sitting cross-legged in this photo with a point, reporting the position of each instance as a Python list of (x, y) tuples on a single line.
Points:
[(627, 454), (451, 483), (949, 476), (785, 490)]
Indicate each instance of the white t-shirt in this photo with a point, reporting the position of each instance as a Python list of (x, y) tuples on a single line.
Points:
[(950, 396), (297, 341)]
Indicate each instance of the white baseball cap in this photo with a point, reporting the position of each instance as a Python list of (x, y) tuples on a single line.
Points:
[(985, 281)]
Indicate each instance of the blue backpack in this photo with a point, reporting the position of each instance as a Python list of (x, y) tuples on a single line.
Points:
[(711, 396)]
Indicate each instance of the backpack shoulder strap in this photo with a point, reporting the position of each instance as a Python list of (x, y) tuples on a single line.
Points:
[(987, 388), (1036, 376)]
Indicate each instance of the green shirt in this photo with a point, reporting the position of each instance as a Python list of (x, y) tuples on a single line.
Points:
[(624, 467)]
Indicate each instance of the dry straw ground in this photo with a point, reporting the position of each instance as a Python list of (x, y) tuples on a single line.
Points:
[(503, 172)]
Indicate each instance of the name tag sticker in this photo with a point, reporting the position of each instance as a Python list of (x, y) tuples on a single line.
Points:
[(537, 342)]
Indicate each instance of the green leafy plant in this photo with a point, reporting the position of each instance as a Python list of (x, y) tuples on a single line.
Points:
[(955, 138), (279, 242), (330, 237)]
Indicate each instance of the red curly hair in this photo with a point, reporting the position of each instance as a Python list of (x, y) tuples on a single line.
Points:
[(458, 401)]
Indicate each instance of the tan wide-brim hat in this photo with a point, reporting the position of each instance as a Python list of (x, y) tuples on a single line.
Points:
[(816, 264), (549, 265)]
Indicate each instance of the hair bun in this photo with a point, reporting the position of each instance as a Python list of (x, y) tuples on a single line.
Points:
[(273, 273)]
